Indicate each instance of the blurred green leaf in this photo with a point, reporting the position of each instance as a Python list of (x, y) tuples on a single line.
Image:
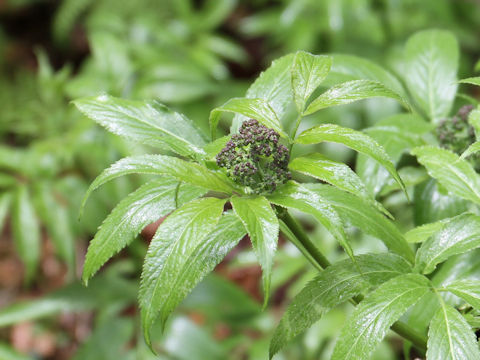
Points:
[(431, 62), (26, 231)]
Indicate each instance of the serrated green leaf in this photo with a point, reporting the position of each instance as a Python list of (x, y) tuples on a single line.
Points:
[(431, 63), (147, 122), (423, 232), (181, 170), (26, 231), (198, 261), (350, 91), (372, 318), (262, 226), (149, 203), (357, 212), (450, 337), (460, 234), (176, 239), (56, 219), (308, 72), (349, 67), (471, 80), (455, 174), (353, 139), (274, 86), (296, 196), (258, 109), (333, 286), (467, 289), (334, 173)]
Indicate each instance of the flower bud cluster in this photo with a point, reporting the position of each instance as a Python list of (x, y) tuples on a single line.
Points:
[(456, 134), (255, 158)]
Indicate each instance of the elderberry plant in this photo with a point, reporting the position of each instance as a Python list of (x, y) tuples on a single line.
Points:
[(250, 169)]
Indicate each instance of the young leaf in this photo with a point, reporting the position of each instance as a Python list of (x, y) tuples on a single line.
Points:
[(176, 240), (181, 170), (460, 234), (308, 72), (350, 91), (26, 231), (471, 80), (423, 232), (355, 211), (455, 174), (274, 86), (295, 196), (262, 226), (349, 67), (335, 173), (467, 289), (353, 139), (431, 62), (333, 286), (258, 109), (372, 318), (149, 203), (450, 337), (147, 122)]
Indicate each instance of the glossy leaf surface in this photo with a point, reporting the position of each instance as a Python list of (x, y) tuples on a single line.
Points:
[(458, 235), (147, 122), (175, 241), (262, 226), (372, 318), (146, 205), (431, 62), (333, 286)]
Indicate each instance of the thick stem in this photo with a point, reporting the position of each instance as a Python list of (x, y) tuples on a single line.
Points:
[(402, 329)]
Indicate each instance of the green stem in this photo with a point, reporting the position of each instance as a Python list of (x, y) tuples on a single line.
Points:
[(402, 329)]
